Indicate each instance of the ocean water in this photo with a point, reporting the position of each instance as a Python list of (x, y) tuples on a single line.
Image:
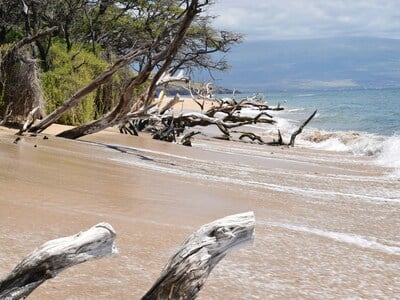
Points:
[(372, 111), (362, 122)]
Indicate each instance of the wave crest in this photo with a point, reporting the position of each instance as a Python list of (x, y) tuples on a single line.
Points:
[(385, 149)]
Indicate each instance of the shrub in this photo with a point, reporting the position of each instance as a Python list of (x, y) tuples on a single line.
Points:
[(69, 72)]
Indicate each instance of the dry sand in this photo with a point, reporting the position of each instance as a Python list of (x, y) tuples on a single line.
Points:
[(327, 223)]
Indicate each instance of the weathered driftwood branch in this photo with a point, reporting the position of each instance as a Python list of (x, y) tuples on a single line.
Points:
[(170, 104), (251, 136), (198, 96), (56, 255), (298, 131), (280, 141), (186, 140), (199, 119), (187, 270)]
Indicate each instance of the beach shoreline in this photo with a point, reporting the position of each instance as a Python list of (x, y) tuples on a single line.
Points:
[(326, 221)]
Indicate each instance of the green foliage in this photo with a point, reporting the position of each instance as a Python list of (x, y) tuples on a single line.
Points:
[(3, 80), (13, 35), (69, 72)]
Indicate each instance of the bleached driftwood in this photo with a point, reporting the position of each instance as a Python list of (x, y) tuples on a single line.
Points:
[(187, 270), (56, 255)]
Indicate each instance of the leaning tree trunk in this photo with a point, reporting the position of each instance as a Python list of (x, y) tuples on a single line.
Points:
[(111, 119), (127, 103), (80, 94)]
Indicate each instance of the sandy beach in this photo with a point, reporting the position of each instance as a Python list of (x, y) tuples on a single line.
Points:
[(327, 222)]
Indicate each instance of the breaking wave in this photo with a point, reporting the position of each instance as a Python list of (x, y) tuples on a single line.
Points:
[(385, 149)]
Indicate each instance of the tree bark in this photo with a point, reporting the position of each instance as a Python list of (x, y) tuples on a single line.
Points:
[(55, 256), (187, 270)]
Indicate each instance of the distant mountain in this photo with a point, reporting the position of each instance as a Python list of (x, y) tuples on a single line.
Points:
[(333, 63)]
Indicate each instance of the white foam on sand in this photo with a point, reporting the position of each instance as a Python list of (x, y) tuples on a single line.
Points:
[(352, 239), (315, 193)]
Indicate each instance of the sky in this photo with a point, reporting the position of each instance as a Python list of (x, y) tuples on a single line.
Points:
[(311, 43), (305, 19)]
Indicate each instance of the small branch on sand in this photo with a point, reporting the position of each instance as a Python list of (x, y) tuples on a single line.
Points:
[(186, 140), (186, 272), (252, 137), (55, 256), (30, 119)]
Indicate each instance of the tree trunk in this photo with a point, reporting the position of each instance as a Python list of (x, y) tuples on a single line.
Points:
[(80, 94), (20, 87), (126, 100)]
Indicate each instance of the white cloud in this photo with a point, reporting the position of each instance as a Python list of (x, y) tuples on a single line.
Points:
[(299, 19)]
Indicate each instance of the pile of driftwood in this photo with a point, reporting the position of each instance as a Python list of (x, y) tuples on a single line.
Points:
[(225, 114), (182, 278)]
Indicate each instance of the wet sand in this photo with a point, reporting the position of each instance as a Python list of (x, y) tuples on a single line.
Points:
[(327, 223)]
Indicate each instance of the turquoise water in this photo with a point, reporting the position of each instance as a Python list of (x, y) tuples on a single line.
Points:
[(373, 111), (364, 122)]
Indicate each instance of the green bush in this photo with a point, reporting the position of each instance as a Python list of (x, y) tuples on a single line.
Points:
[(69, 72)]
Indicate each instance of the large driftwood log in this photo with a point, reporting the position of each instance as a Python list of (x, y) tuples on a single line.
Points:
[(56, 255), (199, 119), (187, 270)]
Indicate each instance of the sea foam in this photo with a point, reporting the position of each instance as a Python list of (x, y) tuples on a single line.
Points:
[(359, 241), (389, 155), (385, 150)]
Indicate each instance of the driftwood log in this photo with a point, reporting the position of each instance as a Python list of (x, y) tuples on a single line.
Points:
[(56, 255), (188, 269)]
